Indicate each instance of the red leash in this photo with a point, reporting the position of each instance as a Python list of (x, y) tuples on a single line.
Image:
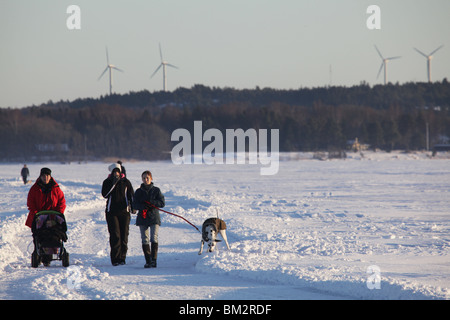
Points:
[(172, 214)]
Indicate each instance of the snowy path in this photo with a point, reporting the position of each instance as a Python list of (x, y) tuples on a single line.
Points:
[(175, 277), (309, 232)]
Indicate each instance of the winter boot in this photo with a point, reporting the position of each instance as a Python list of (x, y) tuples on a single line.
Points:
[(147, 255), (154, 254)]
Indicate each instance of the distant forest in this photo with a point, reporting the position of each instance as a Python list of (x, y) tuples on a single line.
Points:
[(138, 125)]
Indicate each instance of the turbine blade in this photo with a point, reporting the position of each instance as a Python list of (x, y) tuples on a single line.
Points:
[(118, 69), (436, 50), (156, 71), (381, 68), (392, 58), (171, 65), (106, 69), (379, 53), (107, 56), (160, 52), (421, 52)]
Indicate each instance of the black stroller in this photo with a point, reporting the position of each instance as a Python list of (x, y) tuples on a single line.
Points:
[(49, 232)]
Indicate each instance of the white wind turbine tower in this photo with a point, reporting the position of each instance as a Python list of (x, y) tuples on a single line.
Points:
[(429, 57), (163, 64), (110, 67), (384, 64)]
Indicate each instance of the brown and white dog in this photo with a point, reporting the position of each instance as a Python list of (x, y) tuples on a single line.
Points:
[(210, 228)]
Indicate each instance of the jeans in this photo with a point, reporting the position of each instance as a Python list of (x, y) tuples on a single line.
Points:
[(151, 236)]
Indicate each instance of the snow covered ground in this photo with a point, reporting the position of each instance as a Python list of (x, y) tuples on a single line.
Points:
[(376, 227)]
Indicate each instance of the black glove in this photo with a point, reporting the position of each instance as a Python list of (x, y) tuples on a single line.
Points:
[(148, 205)]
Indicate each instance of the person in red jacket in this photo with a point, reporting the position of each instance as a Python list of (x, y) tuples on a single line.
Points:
[(45, 194)]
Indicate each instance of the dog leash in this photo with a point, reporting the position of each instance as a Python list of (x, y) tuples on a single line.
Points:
[(176, 215)]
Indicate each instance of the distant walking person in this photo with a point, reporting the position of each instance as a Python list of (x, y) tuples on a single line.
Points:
[(25, 173), (119, 194)]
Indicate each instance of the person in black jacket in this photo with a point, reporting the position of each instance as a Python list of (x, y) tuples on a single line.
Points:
[(146, 199), (25, 173), (119, 194)]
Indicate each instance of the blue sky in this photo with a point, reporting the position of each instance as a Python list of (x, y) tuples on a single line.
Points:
[(284, 44)]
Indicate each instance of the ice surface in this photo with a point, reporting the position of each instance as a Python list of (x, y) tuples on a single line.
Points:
[(312, 231)]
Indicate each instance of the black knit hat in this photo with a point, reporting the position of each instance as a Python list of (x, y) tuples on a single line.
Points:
[(46, 171)]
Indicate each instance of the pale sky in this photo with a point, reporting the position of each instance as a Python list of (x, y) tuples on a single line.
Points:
[(282, 44)]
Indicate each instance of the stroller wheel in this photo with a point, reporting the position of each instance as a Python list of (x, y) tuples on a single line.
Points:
[(35, 259), (65, 259)]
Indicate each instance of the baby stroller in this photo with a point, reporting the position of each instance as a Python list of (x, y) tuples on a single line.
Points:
[(49, 232)]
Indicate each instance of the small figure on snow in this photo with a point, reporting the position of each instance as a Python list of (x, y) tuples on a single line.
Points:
[(147, 199), (25, 173)]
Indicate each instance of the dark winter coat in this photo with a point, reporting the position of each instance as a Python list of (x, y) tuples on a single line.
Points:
[(120, 195), (25, 172), (44, 197), (148, 193)]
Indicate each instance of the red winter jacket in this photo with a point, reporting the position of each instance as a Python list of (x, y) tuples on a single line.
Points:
[(44, 197)]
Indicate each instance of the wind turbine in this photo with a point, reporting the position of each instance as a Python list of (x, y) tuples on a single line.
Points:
[(384, 64), (429, 57), (110, 67), (163, 64)]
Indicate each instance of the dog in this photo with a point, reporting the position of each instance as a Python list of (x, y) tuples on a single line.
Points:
[(210, 228)]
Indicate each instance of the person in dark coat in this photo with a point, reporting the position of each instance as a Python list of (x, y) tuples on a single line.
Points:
[(119, 194), (146, 198), (25, 173)]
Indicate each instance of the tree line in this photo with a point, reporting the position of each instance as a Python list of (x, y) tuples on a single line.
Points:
[(138, 125)]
